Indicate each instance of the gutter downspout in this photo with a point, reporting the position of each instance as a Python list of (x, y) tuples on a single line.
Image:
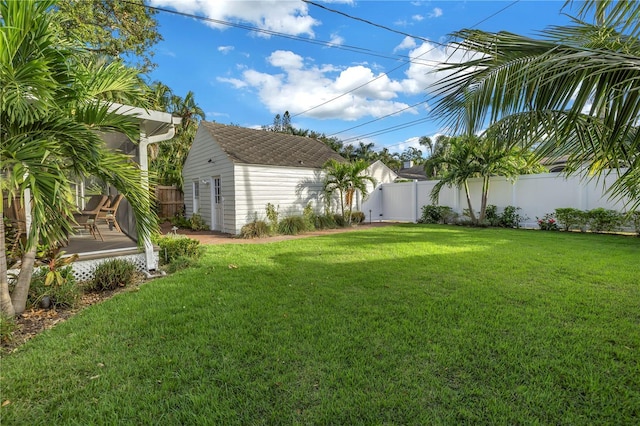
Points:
[(145, 141)]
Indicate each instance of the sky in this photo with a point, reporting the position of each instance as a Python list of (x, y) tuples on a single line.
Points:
[(361, 72)]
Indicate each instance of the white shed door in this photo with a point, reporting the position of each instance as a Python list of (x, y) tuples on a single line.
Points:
[(217, 204)]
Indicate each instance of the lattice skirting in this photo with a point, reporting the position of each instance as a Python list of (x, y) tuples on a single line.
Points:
[(83, 270)]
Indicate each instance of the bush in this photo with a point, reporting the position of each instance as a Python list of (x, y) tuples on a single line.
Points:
[(491, 215), (292, 225), (548, 222), (569, 217), (635, 221), (339, 220), (603, 220), (255, 229), (324, 222), (174, 246), (437, 214), (510, 218), (357, 217), (112, 274), (197, 223), (180, 221), (63, 294), (272, 216), (179, 263)]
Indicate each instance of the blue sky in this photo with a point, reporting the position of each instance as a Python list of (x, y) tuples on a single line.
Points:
[(247, 77)]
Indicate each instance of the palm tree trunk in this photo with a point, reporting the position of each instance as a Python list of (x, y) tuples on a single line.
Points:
[(6, 307), (471, 213), (20, 293), (485, 195), (342, 203)]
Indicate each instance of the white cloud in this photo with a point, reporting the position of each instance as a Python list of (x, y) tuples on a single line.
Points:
[(417, 18), (225, 49), (336, 39), (299, 86), (273, 15), (407, 43), (435, 13)]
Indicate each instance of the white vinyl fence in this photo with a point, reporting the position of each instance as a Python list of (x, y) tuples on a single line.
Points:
[(536, 195)]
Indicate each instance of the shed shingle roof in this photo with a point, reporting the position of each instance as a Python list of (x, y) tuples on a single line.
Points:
[(251, 146)]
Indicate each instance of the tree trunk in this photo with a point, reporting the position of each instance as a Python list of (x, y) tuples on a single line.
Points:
[(20, 293), (485, 195), (471, 213), (6, 307), (342, 203)]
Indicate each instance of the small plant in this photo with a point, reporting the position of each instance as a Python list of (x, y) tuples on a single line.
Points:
[(179, 263), (54, 260), (62, 292), (180, 221), (357, 217), (197, 223), (309, 217), (112, 274), (547, 223), (430, 214), (7, 327), (635, 221), (272, 216), (491, 215), (510, 218), (255, 229), (175, 246), (292, 225), (570, 218), (324, 222), (339, 220), (603, 220)]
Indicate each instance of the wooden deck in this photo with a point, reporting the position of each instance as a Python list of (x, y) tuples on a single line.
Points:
[(85, 245)]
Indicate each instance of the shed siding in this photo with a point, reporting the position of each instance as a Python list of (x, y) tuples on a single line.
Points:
[(197, 167), (289, 188)]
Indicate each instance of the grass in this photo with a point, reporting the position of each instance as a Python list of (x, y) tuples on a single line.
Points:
[(395, 325)]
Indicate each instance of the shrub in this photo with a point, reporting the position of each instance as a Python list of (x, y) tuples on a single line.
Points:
[(272, 216), (569, 217), (357, 217), (292, 225), (255, 229), (324, 222), (179, 263), (180, 221), (339, 220), (62, 293), (547, 223), (174, 246), (7, 327), (510, 218), (430, 214), (635, 221), (491, 215), (603, 220), (309, 217), (197, 223), (112, 274)]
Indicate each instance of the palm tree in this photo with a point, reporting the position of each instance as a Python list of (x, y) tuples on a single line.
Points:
[(345, 179), (55, 99), (574, 91)]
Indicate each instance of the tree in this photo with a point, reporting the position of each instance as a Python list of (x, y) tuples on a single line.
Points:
[(480, 157), (345, 179), (168, 160), (364, 151), (432, 167), (427, 142), (572, 92), (55, 99), (412, 154), (117, 29)]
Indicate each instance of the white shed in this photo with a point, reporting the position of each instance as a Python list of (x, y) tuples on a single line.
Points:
[(232, 172)]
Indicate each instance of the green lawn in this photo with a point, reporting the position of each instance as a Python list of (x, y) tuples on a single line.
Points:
[(397, 325)]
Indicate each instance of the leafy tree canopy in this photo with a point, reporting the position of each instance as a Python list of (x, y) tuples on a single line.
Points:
[(114, 28)]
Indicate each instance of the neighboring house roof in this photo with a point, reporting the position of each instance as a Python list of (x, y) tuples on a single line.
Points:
[(413, 173), (250, 146)]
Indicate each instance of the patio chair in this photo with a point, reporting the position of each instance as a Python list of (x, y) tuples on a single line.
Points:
[(88, 218), (108, 213)]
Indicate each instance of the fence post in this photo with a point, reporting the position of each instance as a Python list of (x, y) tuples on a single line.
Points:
[(415, 201)]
